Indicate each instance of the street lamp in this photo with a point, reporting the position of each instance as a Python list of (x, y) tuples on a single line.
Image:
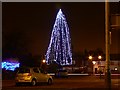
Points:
[(90, 63), (107, 43), (90, 57), (43, 61), (43, 65), (100, 57), (107, 46), (94, 62)]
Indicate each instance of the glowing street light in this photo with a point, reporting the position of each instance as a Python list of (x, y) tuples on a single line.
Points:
[(90, 57), (100, 57), (43, 61), (90, 64)]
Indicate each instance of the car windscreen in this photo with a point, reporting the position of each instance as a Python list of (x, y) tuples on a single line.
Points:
[(24, 70)]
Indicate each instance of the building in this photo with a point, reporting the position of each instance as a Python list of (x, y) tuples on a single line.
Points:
[(99, 65)]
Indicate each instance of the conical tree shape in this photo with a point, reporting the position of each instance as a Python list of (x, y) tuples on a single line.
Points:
[(59, 49)]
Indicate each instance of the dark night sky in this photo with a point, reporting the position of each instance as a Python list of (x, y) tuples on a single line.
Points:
[(33, 23)]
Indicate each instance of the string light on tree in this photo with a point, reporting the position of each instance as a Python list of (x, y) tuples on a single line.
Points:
[(59, 49)]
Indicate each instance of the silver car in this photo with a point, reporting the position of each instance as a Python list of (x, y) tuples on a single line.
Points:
[(33, 76), (61, 73)]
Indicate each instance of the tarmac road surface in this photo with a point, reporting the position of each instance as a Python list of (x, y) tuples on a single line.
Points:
[(71, 83)]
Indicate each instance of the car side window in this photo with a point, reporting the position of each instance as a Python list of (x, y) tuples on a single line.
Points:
[(36, 70), (41, 70)]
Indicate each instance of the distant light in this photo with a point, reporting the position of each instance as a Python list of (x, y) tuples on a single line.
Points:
[(99, 57), (94, 62), (43, 61), (116, 68), (10, 66), (90, 57)]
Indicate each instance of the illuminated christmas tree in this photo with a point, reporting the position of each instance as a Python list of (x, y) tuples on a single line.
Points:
[(59, 49)]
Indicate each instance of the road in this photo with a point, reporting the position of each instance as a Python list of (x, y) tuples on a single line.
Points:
[(70, 83)]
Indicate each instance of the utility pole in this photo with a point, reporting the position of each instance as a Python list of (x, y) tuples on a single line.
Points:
[(107, 46)]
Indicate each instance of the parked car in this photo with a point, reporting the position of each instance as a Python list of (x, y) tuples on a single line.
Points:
[(61, 73), (33, 76)]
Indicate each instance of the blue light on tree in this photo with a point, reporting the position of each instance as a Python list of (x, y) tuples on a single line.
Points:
[(59, 49)]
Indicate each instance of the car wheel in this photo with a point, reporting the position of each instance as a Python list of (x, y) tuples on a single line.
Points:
[(49, 81), (33, 83)]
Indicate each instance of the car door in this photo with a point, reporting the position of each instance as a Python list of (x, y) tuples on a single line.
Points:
[(36, 74), (43, 75)]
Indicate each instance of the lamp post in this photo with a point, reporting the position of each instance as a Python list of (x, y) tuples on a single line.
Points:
[(107, 46), (100, 57), (42, 62), (90, 66), (43, 65), (94, 62)]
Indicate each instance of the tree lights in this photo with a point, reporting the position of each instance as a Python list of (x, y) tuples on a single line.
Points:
[(59, 49)]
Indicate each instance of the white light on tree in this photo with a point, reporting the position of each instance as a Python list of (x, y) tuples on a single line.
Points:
[(59, 49)]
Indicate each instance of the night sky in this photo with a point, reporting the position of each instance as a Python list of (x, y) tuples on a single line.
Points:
[(31, 24)]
